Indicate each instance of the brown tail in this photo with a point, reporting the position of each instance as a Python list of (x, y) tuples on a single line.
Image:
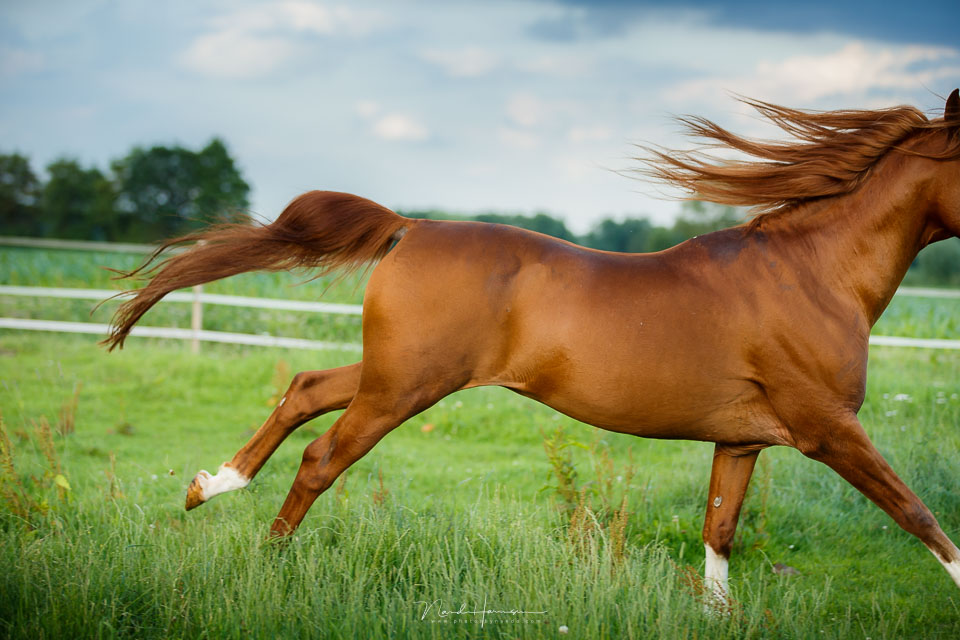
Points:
[(320, 229)]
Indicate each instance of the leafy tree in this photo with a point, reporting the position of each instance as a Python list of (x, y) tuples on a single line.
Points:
[(19, 188), (697, 218), (76, 202), (633, 235), (540, 222), (938, 264), (168, 191)]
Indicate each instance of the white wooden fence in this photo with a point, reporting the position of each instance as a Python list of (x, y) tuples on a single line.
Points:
[(196, 334)]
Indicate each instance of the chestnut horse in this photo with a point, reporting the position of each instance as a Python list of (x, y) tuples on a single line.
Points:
[(749, 337)]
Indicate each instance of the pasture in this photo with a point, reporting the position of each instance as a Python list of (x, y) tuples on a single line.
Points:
[(480, 501)]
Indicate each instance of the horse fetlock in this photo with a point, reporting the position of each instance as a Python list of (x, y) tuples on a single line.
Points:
[(715, 576), (205, 486)]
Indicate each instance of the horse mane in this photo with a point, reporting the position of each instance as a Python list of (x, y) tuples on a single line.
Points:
[(831, 153)]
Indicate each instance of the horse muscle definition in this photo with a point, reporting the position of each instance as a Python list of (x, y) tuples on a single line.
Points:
[(750, 337)]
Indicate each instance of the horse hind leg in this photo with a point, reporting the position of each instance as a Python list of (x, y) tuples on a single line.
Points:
[(729, 479), (311, 394), (366, 421)]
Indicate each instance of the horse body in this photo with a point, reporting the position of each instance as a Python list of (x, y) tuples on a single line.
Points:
[(749, 337), (631, 343)]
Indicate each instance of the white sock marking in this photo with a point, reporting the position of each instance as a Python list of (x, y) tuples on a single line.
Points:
[(282, 400), (953, 568), (715, 574), (227, 479)]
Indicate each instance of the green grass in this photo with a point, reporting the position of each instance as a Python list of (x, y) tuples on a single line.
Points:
[(471, 512), (466, 516)]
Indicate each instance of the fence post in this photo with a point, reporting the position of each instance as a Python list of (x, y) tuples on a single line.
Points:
[(196, 319)]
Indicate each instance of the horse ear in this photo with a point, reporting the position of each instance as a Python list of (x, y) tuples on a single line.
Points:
[(952, 111)]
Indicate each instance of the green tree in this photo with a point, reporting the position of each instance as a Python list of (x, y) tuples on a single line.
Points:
[(541, 223), (76, 202), (19, 189), (633, 235), (169, 191), (697, 217), (938, 264)]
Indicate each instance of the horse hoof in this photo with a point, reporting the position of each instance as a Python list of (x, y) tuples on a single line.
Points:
[(195, 496)]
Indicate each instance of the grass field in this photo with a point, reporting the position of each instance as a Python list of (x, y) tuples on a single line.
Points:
[(460, 505)]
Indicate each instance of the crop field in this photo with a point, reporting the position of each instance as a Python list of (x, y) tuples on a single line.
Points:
[(485, 501)]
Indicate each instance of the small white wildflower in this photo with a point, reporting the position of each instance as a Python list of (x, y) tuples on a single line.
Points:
[(890, 414), (902, 397), (458, 405), (153, 477), (489, 405), (884, 527), (790, 546), (941, 401), (885, 397), (619, 478), (563, 629), (676, 519)]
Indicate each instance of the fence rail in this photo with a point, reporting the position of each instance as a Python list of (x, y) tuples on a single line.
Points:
[(197, 334), (177, 333), (77, 245), (181, 296)]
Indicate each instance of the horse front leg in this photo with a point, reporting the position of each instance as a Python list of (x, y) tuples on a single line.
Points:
[(842, 444), (311, 394), (729, 479)]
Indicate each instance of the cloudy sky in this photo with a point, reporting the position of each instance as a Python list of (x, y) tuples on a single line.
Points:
[(466, 106)]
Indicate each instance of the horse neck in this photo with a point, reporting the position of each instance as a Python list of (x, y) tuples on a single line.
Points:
[(864, 242)]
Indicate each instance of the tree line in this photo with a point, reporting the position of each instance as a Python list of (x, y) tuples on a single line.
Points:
[(147, 195), (938, 264), (160, 192)]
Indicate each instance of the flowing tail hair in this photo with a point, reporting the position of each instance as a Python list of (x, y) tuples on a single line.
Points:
[(319, 229)]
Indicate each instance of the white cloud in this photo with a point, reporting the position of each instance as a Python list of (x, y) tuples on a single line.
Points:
[(307, 16), (468, 62), (237, 54), (554, 64), (525, 109), (593, 133), (253, 41), (518, 138), (367, 108), (14, 62), (396, 126), (853, 69)]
